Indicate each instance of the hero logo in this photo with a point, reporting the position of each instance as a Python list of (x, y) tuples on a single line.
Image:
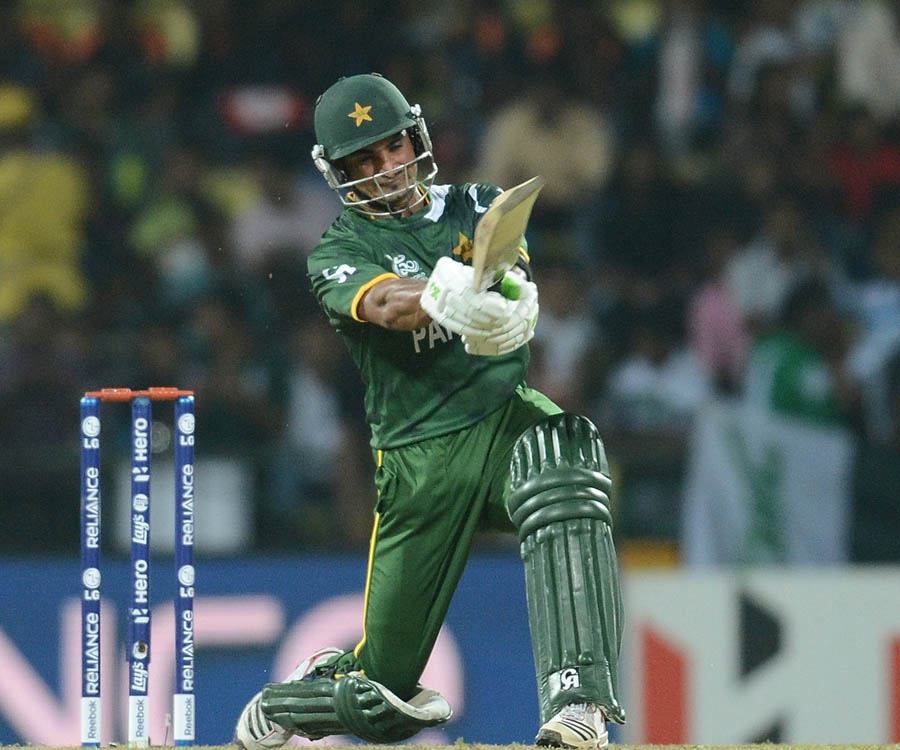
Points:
[(339, 273), (404, 267)]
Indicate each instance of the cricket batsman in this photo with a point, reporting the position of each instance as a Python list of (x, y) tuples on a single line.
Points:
[(461, 445)]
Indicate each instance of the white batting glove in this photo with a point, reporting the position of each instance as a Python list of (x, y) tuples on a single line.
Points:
[(450, 301), (516, 331)]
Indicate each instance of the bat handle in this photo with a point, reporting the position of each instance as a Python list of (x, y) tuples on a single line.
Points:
[(510, 288)]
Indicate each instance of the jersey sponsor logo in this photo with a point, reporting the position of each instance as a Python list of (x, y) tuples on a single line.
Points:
[(339, 273), (429, 336), (404, 267)]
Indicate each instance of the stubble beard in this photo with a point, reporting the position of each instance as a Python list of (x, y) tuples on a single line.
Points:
[(398, 204)]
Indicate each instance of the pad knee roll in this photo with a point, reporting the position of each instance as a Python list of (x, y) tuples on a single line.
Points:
[(559, 472), (559, 502)]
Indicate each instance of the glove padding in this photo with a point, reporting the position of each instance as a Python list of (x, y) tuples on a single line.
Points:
[(515, 331), (451, 301)]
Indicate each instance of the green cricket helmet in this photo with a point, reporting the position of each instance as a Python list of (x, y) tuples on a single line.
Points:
[(361, 110)]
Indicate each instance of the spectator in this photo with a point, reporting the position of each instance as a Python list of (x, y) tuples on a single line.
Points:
[(659, 383), (875, 303), (800, 368), (640, 271), (866, 166), (321, 457), (783, 253), (288, 217), (568, 353), (42, 214), (695, 49), (767, 40), (44, 359), (167, 231), (875, 525), (868, 59), (562, 138), (651, 396), (227, 364), (717, 329)]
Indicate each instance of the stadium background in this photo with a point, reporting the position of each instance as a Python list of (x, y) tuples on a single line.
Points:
[(715, 170)]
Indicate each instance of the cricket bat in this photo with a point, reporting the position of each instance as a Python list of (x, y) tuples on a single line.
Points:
[(499, 232)]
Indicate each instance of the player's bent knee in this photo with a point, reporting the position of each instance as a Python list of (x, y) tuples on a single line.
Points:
[(558, 472)]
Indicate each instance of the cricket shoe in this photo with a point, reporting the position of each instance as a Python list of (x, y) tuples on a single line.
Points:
[(579, 726), (254, 731)]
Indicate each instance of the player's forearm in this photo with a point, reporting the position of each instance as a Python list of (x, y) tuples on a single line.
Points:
[(394, 304)]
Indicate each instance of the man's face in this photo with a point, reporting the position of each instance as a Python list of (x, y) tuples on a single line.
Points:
[(383, 162)]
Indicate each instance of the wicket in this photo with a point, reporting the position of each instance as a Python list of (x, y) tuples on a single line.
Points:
[(138, 642)]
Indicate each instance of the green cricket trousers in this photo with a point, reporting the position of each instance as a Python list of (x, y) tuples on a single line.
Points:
[(433, 496)]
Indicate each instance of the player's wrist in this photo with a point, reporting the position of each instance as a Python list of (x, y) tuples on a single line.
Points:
[(394, 304)]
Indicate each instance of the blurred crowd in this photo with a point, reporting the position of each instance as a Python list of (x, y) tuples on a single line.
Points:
[(722, 205)]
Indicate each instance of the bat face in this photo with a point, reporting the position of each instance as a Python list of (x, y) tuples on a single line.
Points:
[(498, 234)]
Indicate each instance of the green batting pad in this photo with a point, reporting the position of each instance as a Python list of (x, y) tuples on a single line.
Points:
[(373, 713), (305, 706), (559, 501), (352, 704)]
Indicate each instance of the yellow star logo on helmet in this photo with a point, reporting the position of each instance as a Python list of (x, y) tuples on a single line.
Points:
[(360, 113)]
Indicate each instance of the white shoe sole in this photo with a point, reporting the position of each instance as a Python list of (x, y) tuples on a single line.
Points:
[(549, 738), (553, 738)]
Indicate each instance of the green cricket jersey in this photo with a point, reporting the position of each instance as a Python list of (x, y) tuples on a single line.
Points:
[(419, 384)]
